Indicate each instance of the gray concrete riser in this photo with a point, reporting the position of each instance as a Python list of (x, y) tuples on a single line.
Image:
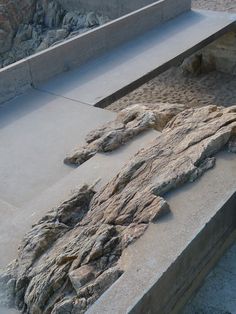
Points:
[(165, 295)]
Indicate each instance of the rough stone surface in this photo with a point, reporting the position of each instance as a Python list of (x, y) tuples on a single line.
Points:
[(129, 123), (217, 56), (71, 256), (29, 26)]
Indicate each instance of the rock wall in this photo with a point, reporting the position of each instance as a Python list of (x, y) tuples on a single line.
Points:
[(29, 26), (12, 14)]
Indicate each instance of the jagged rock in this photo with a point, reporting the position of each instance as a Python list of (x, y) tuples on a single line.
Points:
[(52, 37), (74, 21), (29, 26), (12, 14), (54, 13), (192, 65), (91, 20), (24, 33), (71, 256), (129, 122)]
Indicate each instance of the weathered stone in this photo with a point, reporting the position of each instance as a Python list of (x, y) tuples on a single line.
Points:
[(91, 20), (12, 14), (29, 26), (80, 277), (192, 65), (129, 123), (220, 55), (71, 256)]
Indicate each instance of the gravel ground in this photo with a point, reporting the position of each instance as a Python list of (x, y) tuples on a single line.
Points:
[(174, 87)]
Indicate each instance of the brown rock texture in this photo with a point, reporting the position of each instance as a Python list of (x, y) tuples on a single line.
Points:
[(129, 122), (12, 14), (71, 256), (29, 26)]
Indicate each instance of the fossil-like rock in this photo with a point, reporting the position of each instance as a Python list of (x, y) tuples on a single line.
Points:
[(71, 256), (129, 122)]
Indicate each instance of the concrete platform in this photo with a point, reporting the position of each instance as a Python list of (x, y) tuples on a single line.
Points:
[(36, 132), (126, 67), (172, 254)]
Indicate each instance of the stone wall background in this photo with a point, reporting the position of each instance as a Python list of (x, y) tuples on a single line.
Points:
[(29, 26)]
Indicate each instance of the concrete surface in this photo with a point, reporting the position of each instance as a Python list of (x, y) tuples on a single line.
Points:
[(37, 130), (218, 293), (161, 265), (132, 64), (52, 61)]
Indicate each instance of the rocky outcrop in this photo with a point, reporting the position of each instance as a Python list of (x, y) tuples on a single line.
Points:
[(29, 26), (129, 122), (220, 55), (71, 256), (12, 14)]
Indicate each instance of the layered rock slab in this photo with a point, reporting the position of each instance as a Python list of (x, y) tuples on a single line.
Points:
[(129, 123), (71, 256)]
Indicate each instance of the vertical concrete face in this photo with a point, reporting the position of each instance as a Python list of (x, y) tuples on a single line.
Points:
[(14, 80)]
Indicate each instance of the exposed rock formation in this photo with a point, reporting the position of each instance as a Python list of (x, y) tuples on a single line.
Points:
[(12, 14), (129, 123), (29, 26), (220, 55), (72, 255)]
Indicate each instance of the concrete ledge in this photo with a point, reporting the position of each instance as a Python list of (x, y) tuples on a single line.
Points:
[(119, 71), (171, 288), (161, 267), (14, 80), (76, 51)]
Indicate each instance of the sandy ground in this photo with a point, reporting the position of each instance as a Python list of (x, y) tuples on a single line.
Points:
[(174, 87)]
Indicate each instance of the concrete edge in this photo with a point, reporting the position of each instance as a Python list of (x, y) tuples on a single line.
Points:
[(197, 283), (173, 62), (16, 78), (186, 273)]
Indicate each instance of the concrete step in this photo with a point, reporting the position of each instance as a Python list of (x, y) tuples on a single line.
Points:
[(102, 167), (37, 130), (126, 67)]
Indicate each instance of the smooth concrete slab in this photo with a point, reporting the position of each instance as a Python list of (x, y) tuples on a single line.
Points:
[(155, 271), (128, 66), (100, 169), (36, 132)]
